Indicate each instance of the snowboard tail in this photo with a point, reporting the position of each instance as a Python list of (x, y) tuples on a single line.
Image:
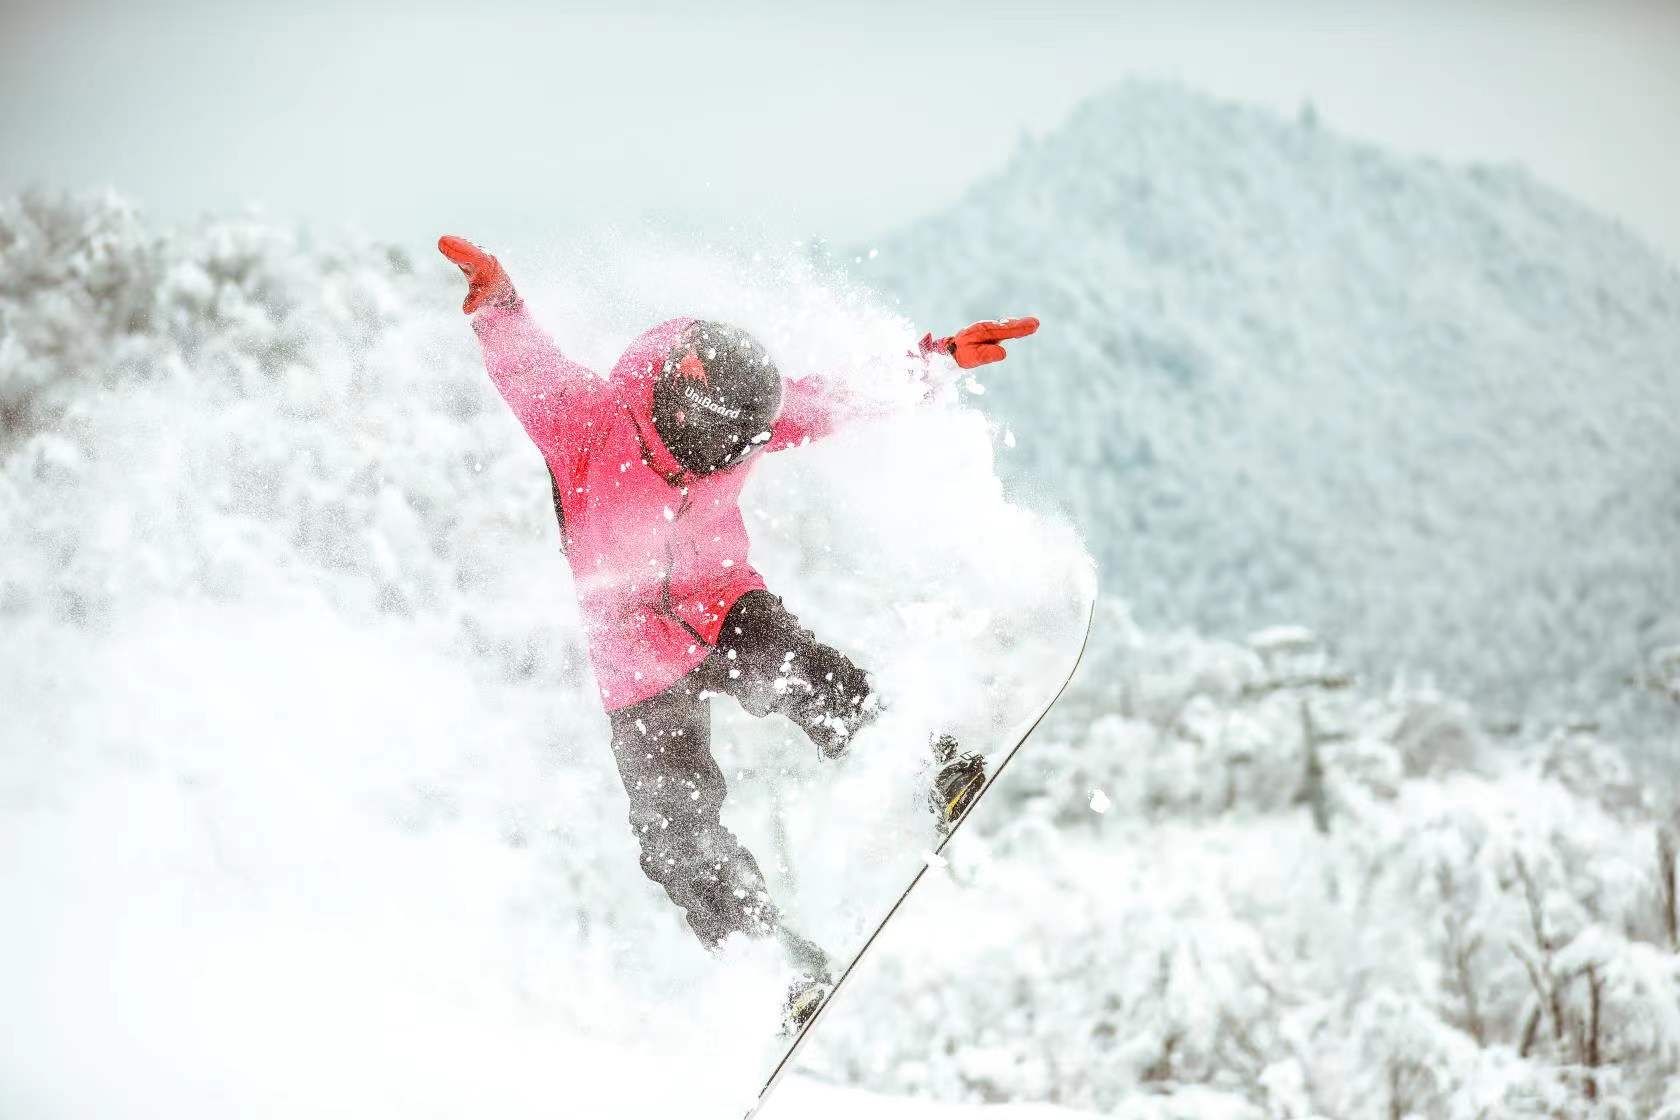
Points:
[(952, 807)]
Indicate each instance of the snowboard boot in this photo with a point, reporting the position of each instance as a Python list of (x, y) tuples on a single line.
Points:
[(813, 979), (805, 995), (957, 781)]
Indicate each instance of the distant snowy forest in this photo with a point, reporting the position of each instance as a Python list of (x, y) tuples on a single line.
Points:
[(307, 808)]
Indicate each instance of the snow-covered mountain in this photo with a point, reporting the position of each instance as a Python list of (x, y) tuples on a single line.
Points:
[(1432, 411)]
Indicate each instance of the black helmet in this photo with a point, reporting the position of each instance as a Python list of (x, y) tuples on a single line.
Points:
[(715, 397)]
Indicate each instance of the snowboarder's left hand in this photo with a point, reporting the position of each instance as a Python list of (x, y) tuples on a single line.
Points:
[(978, 345)]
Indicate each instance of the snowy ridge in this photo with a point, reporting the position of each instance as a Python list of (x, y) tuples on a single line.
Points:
[(1431, 411), (306, 808)]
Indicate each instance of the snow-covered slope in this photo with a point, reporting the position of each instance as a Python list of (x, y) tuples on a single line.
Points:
[(1432, 411), (306, 808)]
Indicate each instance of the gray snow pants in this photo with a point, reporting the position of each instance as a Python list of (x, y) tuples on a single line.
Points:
[(768, 663)]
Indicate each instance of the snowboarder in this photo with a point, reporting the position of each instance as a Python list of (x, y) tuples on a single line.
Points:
[(647, 467)]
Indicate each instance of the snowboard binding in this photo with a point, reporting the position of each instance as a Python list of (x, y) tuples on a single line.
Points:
[(957, 782), (813, 980), (805, 995)]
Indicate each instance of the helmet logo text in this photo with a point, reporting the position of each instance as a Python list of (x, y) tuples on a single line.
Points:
[(710, 406)]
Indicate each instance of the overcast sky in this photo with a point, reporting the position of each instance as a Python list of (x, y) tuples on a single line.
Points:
[(525, 120)]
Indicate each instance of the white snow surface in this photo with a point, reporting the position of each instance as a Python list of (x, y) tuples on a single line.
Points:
[(268, 871)]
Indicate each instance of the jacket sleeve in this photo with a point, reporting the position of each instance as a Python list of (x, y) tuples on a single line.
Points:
[(814, 406), (811, 409), (547, 391)]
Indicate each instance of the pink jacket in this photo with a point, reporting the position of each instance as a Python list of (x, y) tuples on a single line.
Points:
[(658, 554)]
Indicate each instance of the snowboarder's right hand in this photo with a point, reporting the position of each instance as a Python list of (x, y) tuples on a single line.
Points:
[(977, 345), (487, 282)]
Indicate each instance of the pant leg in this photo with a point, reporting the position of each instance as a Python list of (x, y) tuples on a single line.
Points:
[(676, 791), (769, 663)]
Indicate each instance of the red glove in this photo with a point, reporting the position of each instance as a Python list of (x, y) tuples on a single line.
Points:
[(487, 283), (978, 345)]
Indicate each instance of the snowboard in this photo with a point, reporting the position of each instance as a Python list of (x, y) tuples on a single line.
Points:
[(996, 763)]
